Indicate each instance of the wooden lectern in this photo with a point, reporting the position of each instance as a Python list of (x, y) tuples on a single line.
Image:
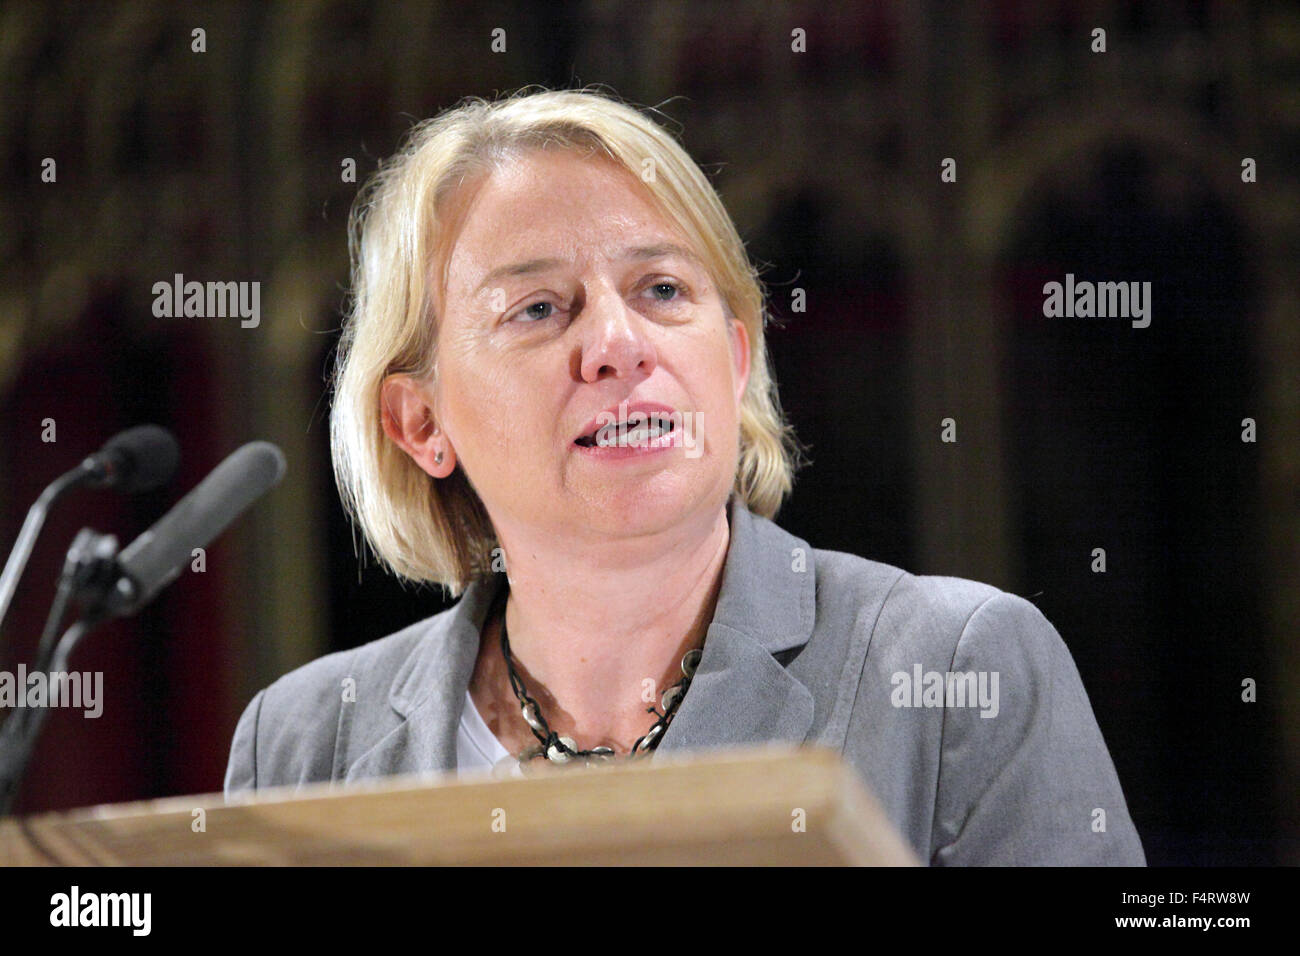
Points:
[(763, 806)]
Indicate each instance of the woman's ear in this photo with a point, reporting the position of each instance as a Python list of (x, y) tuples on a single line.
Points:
[(739, 338), (408, 419)]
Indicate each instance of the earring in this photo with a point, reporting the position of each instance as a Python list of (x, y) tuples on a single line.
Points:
[(437, 459)]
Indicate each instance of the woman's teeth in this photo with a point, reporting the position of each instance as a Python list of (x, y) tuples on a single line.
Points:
[(635, 436), (630, 437)]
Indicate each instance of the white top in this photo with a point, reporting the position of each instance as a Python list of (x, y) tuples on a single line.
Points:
[(477, 749)]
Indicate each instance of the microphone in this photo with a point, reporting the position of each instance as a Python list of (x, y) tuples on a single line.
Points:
[(138, 459), (154, 559), (107, 582)]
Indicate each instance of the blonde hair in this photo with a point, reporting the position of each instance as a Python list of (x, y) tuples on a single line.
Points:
[(400, 233)]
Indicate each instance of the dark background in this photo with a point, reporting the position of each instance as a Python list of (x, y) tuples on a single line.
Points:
[(924, 302)]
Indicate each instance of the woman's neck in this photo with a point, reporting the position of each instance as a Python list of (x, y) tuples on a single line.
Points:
[(596, 645)]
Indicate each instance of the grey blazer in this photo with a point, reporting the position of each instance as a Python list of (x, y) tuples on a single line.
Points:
[(805, 645)]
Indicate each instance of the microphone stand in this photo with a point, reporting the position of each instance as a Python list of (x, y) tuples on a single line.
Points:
[(107, 582), (89, 577), (31, 529)]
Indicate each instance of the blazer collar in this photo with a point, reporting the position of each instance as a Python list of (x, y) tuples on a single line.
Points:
[(740, 694)]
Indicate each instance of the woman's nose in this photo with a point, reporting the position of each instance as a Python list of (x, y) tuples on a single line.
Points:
[(615, 339)]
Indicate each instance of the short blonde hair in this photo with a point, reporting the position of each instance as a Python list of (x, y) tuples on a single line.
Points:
[(400, 235)]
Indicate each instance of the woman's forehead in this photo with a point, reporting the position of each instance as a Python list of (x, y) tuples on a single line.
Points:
[(513, 228), (545, 195), (543, 171)]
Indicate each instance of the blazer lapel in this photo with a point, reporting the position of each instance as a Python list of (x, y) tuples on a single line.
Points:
[(766, 604), (429, 691)]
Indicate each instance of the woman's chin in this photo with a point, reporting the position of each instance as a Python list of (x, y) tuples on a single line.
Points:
[(651, 502)]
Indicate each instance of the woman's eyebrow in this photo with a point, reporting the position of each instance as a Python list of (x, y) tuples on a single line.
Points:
[(658, 250), (518, 269)]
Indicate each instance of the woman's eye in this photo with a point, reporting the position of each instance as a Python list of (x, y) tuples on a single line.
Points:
[(669, 290), (536, 312), (663, 291)]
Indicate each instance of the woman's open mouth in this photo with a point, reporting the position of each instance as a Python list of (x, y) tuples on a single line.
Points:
[(641, 435), (640, 430)]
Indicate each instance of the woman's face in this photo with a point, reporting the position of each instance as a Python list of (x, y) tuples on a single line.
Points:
[(568, 295)]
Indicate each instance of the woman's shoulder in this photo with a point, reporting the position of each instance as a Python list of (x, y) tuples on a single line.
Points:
[(290, 732), (338, 672), (970, 720), (917, 611)]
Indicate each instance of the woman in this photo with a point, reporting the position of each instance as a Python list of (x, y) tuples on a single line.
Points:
[(553, 398)]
